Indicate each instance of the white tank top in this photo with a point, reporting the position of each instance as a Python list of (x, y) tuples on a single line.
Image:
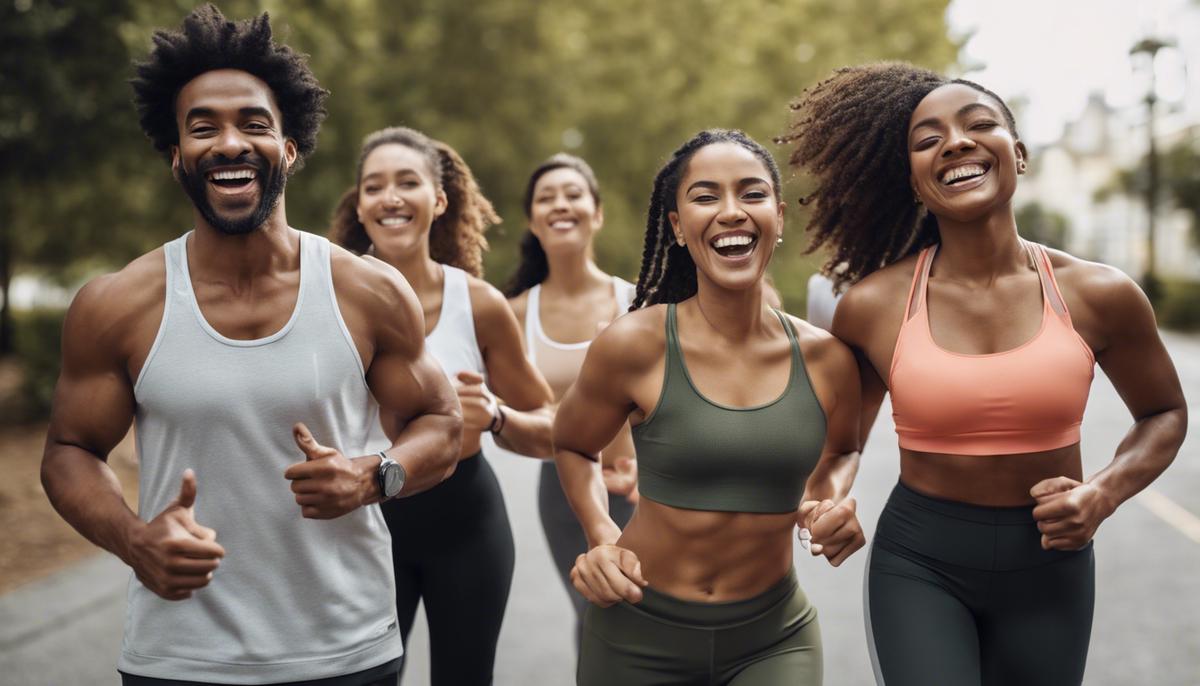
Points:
[(294, 598), (560, 362), (452, 341)]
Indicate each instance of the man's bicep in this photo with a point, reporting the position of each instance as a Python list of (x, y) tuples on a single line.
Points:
[(93, 398)]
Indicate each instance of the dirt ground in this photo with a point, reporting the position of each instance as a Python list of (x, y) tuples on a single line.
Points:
[(35, 541)]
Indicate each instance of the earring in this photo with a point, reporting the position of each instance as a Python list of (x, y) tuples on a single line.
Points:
[(680, 241), (916, 199), (779, 241), (1021, 167)]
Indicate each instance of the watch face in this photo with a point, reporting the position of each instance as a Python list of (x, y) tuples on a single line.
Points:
[(393, 479)]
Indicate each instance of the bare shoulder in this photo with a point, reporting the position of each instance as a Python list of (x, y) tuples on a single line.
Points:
[(374, 297), (1098, 285), (634, 342), (113, 309), (820, 347), (520, 305), (882, 289), (487, 301)]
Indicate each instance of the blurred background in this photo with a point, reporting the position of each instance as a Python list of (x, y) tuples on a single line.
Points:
[(1106, 93)]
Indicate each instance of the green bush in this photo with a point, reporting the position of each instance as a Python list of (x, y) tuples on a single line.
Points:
[(38, 348), (1179, 306)]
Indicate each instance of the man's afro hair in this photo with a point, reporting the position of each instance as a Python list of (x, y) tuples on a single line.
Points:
[(208, 41)]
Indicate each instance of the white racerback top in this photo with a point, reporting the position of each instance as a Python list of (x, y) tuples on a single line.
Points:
[(452, 341), (294, 598)]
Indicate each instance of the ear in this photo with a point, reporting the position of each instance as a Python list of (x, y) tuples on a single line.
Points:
[(673, 217), (598, 222), (290, 153), (440, 205), (779, 217), (1022, 156), (175, 161)]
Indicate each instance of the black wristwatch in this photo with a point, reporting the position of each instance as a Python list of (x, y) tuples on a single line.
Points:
[(390, 476)]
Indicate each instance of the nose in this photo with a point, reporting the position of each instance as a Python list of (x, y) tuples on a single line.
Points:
[(730, 212), (958, 141), (231, 143), (560, 202)]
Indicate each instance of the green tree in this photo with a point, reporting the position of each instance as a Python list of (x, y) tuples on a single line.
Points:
[(1043, 226)]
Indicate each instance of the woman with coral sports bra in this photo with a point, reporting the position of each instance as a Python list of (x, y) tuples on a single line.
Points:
[(982, 569), (564, 299)]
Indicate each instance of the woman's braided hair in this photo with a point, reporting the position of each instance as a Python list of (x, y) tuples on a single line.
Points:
[(668, 274), (850, 132), (455, 238)]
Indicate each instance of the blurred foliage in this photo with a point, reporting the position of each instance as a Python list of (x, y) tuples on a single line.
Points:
[(37, 346), (1042, 225), (1179, 176), (507, 82), (1179, 307)]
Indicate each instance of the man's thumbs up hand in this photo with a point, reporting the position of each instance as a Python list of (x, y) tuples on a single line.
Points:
[(173, 555), (327, 484)]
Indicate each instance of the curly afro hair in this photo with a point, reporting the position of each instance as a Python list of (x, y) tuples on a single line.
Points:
[(208, 41), (849, 132)]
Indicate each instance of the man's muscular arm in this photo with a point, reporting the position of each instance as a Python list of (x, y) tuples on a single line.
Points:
[(418, 407), (93, 409)]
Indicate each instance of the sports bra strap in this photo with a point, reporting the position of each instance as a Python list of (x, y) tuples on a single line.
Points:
[(1050, 291), (797, 359), (532, 322), (916, 292)]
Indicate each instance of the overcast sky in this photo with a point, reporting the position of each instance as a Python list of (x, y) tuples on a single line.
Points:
[(1055, 52)]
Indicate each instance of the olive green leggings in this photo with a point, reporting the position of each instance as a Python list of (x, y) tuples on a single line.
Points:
[(772, 638)]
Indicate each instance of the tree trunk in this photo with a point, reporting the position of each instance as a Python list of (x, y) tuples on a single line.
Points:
[(7, 344)]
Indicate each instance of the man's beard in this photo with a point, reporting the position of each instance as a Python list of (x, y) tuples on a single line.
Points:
[(271, 182)]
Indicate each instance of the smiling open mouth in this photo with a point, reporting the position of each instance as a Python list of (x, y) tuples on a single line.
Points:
[(397, 221), (963, 173), (734, 245), (232, 178)]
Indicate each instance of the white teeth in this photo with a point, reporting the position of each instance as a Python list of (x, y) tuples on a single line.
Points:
[(726, 241), (963, 171), (395, 221), (563, 224), (233, 174)]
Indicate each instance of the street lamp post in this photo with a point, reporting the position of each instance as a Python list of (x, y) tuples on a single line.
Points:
[(1150, 46)]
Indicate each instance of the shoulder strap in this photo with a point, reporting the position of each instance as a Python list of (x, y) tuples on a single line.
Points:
[(624, 292), (532, 324), (1050, 291), (916, 291), (797, 357)]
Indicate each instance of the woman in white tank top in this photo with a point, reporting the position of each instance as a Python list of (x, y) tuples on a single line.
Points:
[(564, 300), (417, 207)]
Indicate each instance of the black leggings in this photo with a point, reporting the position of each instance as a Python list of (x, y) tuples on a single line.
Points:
[(453, 547), (382, 675), (964, 595), (565, 535)]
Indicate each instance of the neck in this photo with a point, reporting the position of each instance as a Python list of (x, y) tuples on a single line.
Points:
[(270, 248), (418, 268), (573, 273), (734, 315), (981, 250)]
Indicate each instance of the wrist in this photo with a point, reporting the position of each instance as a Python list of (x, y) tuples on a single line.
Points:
[(367, 468), (499, 419)]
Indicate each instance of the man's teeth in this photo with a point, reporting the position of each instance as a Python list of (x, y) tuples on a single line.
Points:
[(727, 241), (963, 171), (395, 221), (232, 175)]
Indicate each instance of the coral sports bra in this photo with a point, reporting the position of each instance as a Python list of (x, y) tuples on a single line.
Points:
[(1024, 400)]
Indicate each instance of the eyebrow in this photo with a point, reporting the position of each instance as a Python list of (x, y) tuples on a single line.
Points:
[(749, 180), (197, 112), (398, 172), (964, 110)]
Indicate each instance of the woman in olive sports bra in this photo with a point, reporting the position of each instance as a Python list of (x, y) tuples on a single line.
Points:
[(745, 422), (982, 569), (563, 299)]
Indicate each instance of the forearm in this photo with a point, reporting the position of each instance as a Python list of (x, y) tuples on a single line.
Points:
[(585, 491), (1145, 452), (832, 477), (527, 433), (86, 493), (428, 448)]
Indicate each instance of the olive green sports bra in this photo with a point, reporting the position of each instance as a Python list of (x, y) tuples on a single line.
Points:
[(696, 454)]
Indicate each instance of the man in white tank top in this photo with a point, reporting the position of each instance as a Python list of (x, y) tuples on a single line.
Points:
[(263, 368)]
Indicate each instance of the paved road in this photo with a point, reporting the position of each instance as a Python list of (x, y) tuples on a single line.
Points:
[(65, 630)]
